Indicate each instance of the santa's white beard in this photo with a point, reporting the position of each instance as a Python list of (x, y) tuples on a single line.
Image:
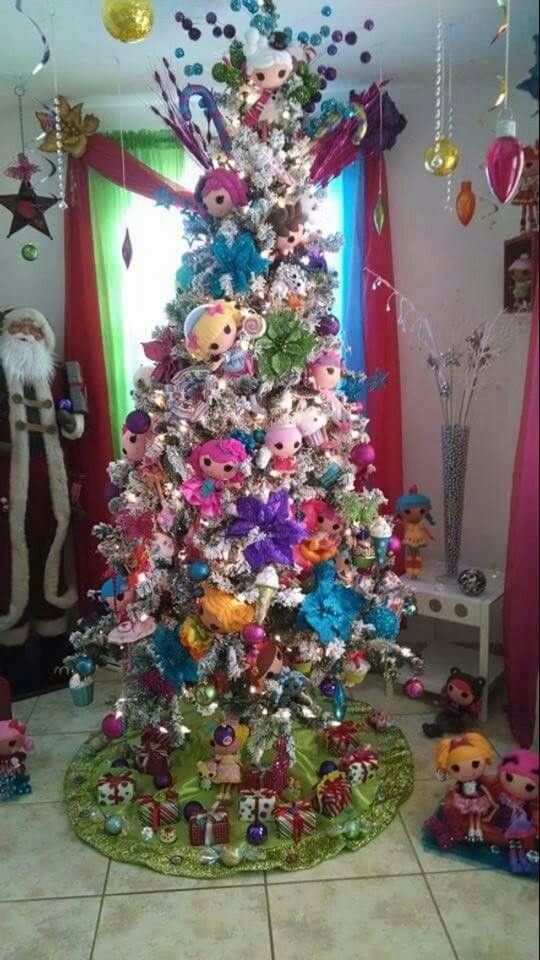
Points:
[(28, 361)]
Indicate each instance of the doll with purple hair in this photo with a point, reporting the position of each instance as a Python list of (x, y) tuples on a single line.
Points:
[(221, 191), (516, 814), (215, 465)]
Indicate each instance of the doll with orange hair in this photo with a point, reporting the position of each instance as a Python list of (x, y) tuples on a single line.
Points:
[(220, 612), (465, 759), (326, 527)]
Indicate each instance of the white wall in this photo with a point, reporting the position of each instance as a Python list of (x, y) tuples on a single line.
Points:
[(39, 284), (455, 276)]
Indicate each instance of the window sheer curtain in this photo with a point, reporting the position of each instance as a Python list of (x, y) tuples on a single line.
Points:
[(132, 301)]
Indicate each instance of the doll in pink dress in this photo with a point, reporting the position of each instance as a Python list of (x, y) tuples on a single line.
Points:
[(326, 527), (325, 373), (465, 759), (281, 445), (215, 465), (516, 813), (225, 767)]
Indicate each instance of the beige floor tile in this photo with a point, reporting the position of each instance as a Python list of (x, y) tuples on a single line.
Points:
[(43, 930), (128, 878), (421, 805), (373, 919), (389, 854), (41, 857), (23, 708), (489, 915), (47, 765), (423, 749), (217, 924), (373, 691), (55, 712)]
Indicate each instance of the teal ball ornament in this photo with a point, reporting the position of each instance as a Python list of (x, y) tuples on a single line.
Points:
[(352, 829), (385, 622), (198, 571), (85, 666), (29, 252), (113, 825)]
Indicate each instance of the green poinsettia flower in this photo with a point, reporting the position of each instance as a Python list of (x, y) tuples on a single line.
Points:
[(355, 509), (285, 346)]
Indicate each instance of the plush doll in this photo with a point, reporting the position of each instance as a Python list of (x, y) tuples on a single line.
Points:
[(516, 789), (117, 593), (326, 526), (325, 374), (223, 613), (281, 445), (211, 331), (225, 768), (521, 273), (288, 224), (413, 509), (527, 194), (215, 465), (460, 701), (136, 435), (221, 191), (268, 664), (269, 64), (14, 746), (465, 759), (40, 409)]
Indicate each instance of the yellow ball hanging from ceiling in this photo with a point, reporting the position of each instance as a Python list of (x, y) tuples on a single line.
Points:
[(128, 20), (443, 161)]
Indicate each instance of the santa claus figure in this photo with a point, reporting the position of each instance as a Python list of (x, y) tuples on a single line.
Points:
[(33, 484)]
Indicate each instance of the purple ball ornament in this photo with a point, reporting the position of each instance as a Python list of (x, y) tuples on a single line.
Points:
[(113, 727), (414, 688), (363, 455), (224, 735), (217, 32), (229, 31), (179, 16), (351, 38), (254, 633), (195, 34), (328, 766), (369, 24), (65, 405), (365, 57), (310, 108), (120, 762), (138, 421), (332, 50), (192, 809), (328, 687), (331, 74), (337, 36), (256, 834), (211, 17), (328, 326), (187, 24), (163, 780)]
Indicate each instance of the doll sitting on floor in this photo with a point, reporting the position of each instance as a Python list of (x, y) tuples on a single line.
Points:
[(460, 701)]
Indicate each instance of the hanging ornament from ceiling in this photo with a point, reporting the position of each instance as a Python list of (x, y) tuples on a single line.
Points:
[(504, 5), (442, 156), (466, 203), (28, 209), (505, 156), (46, 51), (129, 21)]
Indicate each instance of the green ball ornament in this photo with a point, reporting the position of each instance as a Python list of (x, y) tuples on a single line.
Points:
[(205, 695), (113, 825), (29, 252), (352, 829)]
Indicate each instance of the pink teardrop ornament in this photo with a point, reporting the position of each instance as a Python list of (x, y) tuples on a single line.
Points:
[(504, 162)]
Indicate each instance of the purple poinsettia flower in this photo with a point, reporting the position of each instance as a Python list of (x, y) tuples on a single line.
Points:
[(278, 533)]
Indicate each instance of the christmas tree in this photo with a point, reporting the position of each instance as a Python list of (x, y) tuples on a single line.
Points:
[(249, 553)]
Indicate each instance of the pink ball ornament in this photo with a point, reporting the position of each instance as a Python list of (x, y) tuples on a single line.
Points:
[(363, 455), (504, 161), (113, 726), (414, 688), (254, 633), (394, 545)]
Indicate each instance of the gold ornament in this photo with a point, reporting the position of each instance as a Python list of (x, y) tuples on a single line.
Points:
[(74, 129), (442, 161), (128, 20)]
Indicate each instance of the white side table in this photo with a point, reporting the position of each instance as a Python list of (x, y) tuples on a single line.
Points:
[(442, 601)]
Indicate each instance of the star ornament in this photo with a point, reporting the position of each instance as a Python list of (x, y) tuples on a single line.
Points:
[(28, 209)]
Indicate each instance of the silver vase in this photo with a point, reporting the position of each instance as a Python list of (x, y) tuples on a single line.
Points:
[(455, 447)]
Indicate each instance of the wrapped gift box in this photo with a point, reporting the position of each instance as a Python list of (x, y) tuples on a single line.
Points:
[(275, 777), (115, 788), (76, 388), (210, 827), (333, 794), (360, 766), (342, 738), (256, 805), (161, 809), (295, 820)]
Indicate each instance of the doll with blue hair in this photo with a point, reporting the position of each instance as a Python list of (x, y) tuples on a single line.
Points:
[(413, 509)]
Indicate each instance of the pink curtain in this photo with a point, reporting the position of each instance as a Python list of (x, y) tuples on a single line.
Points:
[(90, 456), (381, 340), (521, 589)]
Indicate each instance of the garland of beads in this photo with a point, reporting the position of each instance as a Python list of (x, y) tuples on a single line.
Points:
[(59, 155)]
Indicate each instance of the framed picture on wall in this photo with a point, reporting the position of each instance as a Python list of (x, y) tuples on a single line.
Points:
[(520, 267)]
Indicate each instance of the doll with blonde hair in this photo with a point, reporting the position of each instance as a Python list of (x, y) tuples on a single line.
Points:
[(211, 331), (223, 613), (465, 759)]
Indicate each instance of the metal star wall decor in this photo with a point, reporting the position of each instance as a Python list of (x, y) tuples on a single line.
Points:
[(28, 209)]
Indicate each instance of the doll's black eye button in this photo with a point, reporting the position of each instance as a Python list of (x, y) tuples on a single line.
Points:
[(281, 74), (464, 694), (530, 787), (336, 526), (220, 200), (475, 764), (260, 76), (278, 446), (509, 777), (227, 468), (214, 346), (455, 767), (207, 461), (292, 238), (133, 439), (330, 370), (120, 597), (227, 329), (320, 519), (296, 444)]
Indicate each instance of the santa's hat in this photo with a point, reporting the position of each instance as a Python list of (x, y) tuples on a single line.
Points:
[(9, 314)]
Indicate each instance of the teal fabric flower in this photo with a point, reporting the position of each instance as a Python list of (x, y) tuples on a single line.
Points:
[(239, 260), (331, 609)]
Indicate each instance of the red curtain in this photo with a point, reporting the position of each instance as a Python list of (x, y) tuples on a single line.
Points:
[(90, 456), (381, 340), (521, 589)]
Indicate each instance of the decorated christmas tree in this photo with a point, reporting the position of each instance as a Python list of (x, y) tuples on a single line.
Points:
[(250, 583)]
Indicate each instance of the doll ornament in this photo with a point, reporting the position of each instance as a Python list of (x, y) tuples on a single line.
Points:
[(281, 445), (211, 331), (413, 509), (268, 67), (326, 528), (220, 192), (288, 224), (215, 465), (521, 272)]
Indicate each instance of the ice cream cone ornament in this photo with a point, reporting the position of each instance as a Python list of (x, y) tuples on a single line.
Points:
[(267, 583), (380, 532)]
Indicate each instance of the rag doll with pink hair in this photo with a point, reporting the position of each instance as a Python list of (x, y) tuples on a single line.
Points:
[(14, 746), (215, 465)]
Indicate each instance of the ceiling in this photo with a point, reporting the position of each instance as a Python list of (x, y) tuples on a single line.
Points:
[(90, 64)]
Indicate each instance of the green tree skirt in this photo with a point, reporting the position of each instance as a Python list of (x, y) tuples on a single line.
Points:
[(375, 803)]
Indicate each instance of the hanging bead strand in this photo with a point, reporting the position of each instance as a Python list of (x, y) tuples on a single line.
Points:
[(439, 68)]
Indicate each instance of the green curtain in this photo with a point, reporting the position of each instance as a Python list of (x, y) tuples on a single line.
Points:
[(109, 207)]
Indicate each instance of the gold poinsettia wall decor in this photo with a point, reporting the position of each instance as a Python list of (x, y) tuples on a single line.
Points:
[(74, 129)]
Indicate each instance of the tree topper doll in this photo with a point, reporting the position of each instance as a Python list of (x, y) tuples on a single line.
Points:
[(211, 331), (466, 759), (413, 509), (215, 465), (460, 701), (221, 191), (269, 64)]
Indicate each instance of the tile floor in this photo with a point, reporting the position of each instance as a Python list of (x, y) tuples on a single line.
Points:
[(60, 900)]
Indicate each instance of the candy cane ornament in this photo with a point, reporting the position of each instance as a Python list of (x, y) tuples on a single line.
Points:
[(210, 107)]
